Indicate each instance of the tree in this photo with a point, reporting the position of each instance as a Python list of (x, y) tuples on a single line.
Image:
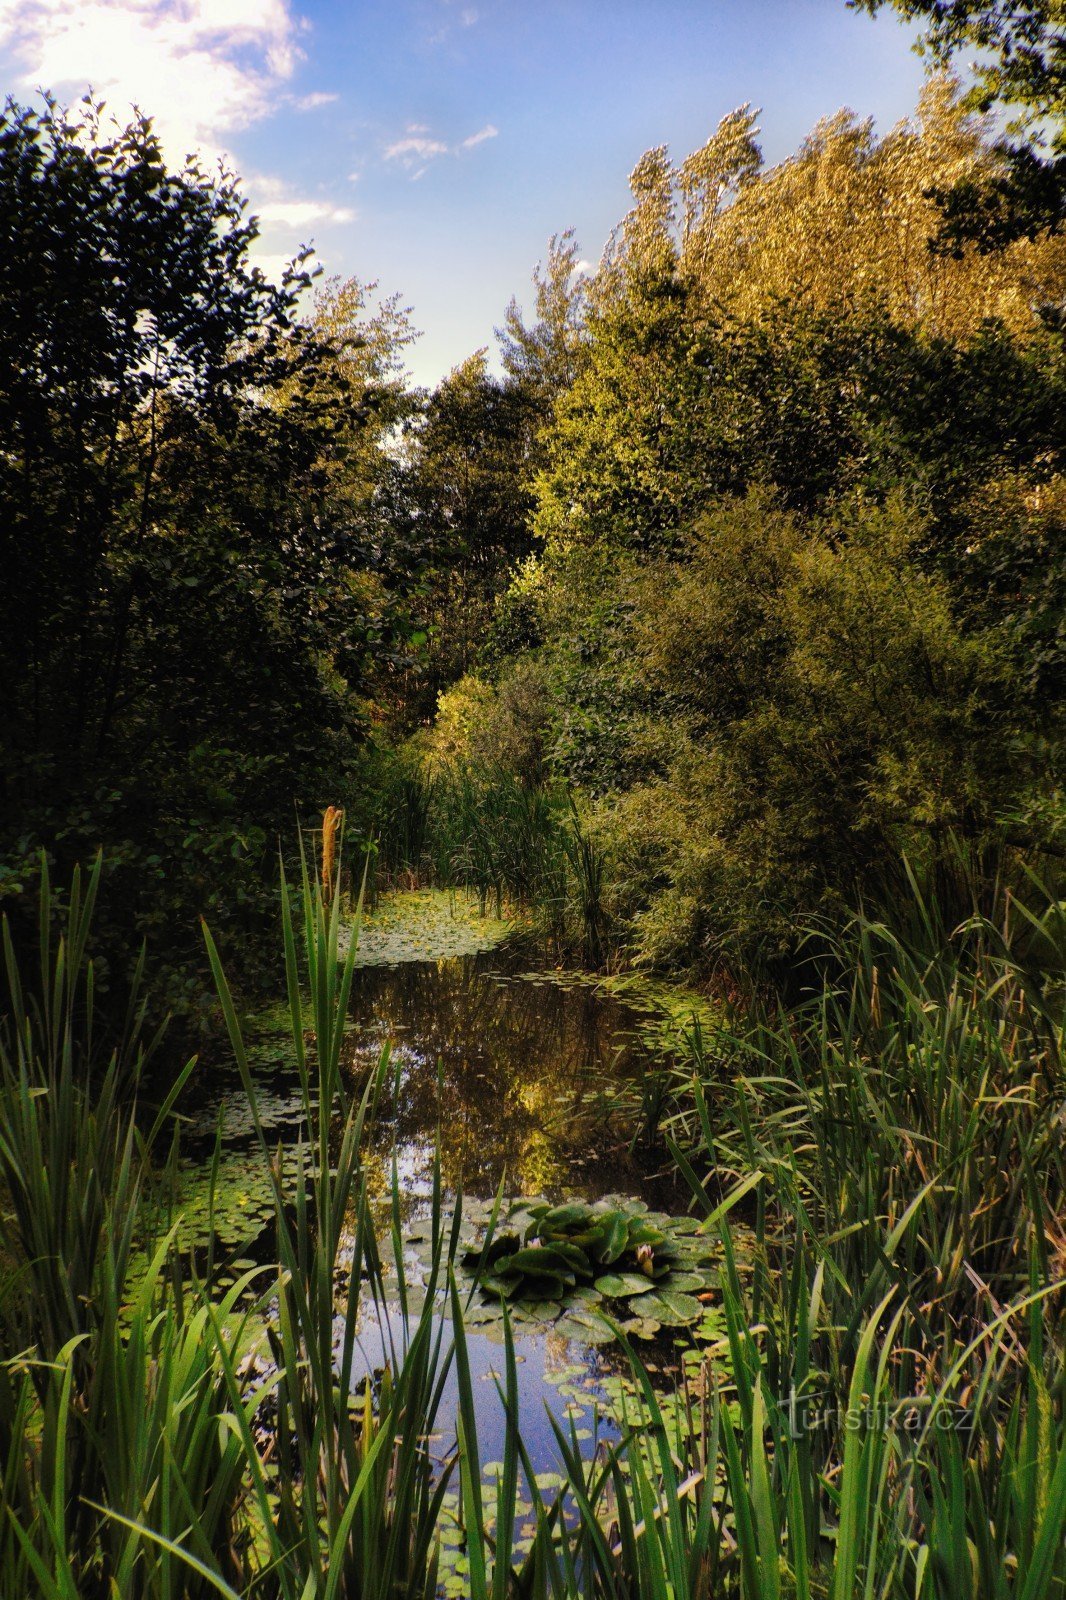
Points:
[(799, 595), (467, 488), (1021, 68), (543, 358), (790, 326), (179, 644)]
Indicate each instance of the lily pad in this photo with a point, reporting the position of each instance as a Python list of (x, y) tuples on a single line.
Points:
[(691, 1282), (584, 1327), (624, 1285), (641, 1327), (426, 925), (536, 1310), (671, 1307)]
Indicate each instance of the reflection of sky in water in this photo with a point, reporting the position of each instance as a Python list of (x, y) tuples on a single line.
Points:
[(556, 1377), (514, 1075)]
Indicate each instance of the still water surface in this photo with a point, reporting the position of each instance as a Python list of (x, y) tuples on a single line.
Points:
[(514, 1074)]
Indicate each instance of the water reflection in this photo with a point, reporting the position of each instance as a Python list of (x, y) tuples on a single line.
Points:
[(510, 1074), (516, 1074)]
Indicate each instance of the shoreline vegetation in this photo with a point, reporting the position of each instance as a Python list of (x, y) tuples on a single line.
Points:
[(716, 642), (884, 1397)]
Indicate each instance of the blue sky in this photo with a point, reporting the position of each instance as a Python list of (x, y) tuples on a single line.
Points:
[(435, 144)]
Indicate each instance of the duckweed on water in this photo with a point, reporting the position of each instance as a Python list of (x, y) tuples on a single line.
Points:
[(427, 925)]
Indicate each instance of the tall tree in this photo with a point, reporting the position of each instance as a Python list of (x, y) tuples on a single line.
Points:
[(178, 642), (1020, 68), (468, 487), (542, 358)]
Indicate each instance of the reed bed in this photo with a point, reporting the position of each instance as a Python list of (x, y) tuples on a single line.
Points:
[(884, 1415), (479, 827)]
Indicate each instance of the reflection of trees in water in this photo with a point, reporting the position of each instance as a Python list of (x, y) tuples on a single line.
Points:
[(515, 1061)]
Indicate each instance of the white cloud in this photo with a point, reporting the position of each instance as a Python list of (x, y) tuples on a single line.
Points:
[(418, 146), (271, 263), (300, 213), (312, 102), (487, 132), (203, 69)]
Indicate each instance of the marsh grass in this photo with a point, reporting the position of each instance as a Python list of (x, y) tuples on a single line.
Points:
[(907, 1123), (883, 1415), (480, 828)]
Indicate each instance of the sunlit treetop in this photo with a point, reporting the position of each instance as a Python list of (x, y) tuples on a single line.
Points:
[(1016, 52), (845, 223)]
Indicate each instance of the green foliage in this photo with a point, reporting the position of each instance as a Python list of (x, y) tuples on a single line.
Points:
[(464, 492), (72, 1153), (797, 606), (831, 704), (110, 1398), (181, 647), (883, 1410), (564, 1245), (1019, 67)]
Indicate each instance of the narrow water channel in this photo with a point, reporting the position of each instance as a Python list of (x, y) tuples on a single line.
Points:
[(522, 1078), (521, 1070)]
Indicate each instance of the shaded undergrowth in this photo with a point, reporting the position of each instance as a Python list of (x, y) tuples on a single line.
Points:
[(478, 827)]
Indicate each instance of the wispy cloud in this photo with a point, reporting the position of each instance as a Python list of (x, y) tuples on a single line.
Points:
[(414, 147), (203, 69), (312, 102), (449, 19), (487, 132), (419, 146)]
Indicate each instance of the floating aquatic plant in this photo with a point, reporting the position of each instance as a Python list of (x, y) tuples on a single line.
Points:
[(557, 1261), (427, 925)]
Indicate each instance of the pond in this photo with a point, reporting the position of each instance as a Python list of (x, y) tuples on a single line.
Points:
[(526, 1080)]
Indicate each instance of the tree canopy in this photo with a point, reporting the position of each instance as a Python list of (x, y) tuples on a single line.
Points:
[(1020, 70)]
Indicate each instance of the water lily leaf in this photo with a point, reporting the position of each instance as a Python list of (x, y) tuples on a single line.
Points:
[(685, 1225), (536, 1310), (573, 1255), (641, 1232), (542, 1261), (503, 1244), (623, 1285), (692, 1282), (478, 1314), (529, 1287), (584, 1327), (671, 1307), (642, 1327), (501, 1288), (565, 1216), (616, 1241)]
